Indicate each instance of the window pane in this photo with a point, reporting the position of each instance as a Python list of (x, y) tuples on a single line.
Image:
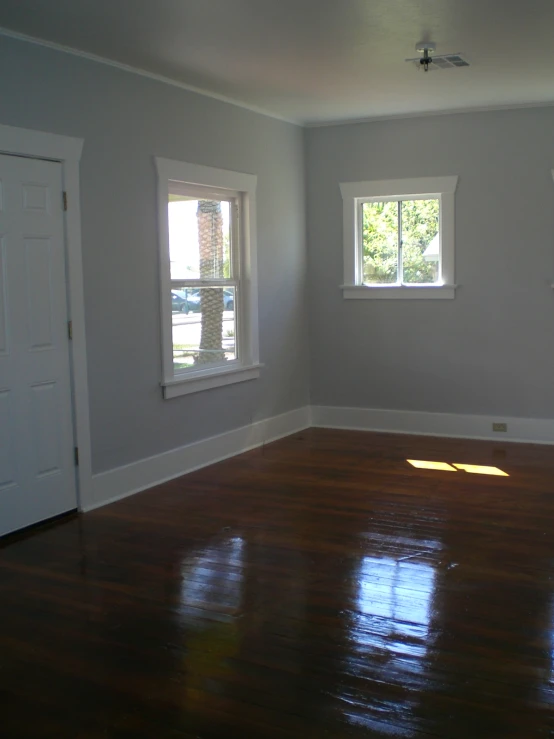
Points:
[(380, 243), (204, 327), (420, 241), (199, 238)]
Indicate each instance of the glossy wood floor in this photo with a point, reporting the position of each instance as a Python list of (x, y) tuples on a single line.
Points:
[(320, 587)]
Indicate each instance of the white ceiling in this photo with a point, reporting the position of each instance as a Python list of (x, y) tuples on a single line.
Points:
[(315, 61)]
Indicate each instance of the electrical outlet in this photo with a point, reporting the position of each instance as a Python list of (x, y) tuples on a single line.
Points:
[(500, 427)]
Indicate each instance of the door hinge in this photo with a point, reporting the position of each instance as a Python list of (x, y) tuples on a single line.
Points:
[(64, 196), (76, 455), (70, 330)]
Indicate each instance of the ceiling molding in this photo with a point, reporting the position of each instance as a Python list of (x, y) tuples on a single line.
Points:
[(8, 33), (426, 114), (143, 73)]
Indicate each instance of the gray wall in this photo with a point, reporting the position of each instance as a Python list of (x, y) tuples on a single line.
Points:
[(491, 349), (125, 120)]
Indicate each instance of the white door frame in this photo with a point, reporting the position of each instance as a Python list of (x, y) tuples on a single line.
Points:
[(67, 151)]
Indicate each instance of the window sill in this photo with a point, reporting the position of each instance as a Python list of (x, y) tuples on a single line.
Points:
[(195, 382), (398, 292)]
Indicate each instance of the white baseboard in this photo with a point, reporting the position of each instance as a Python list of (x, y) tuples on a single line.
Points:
[(532, 430), (107, 487)]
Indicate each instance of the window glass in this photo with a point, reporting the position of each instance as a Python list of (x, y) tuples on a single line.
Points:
[(380, 243), (400, 242), (199, 238), (420, 241), (203, 327)]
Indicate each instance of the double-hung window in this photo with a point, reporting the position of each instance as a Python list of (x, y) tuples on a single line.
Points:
[(399, 238), (208, 277)]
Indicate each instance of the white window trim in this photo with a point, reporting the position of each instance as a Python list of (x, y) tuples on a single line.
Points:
[(442, 188), (248, 366)]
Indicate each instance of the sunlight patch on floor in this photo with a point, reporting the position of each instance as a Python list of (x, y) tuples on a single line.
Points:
[(421, 464), (479, 469), (474, 469)]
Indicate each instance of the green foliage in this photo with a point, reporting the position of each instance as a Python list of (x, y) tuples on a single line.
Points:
[(420, 224), (380, 242)]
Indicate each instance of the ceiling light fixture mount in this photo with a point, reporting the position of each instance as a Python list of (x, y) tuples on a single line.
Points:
[(426, 48)]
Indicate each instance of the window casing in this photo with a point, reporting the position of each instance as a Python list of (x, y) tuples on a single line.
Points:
[(208, 277), (400, 280)]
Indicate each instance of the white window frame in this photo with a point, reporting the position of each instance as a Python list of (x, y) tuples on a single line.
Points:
[(242, 188), (354, 194)]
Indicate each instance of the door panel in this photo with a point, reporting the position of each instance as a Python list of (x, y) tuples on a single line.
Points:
[(37, 473), (7, 450), (35, 197), (46, 437), (3, 306), (39, 292)]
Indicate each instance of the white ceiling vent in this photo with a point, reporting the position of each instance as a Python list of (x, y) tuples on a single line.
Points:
[(447, 61), (429, 60)]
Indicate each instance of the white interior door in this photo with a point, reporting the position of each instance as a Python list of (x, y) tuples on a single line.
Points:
[(37, 472)]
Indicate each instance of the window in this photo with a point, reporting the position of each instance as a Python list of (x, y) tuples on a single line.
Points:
[(399, 238), (208, 277)]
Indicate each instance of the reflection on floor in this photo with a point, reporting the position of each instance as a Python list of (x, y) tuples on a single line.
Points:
[(319, 587)]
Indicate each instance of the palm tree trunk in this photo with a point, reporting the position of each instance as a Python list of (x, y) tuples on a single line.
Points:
[(210, 239)]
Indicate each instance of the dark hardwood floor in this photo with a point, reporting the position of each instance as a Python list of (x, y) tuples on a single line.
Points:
[(319, 587)]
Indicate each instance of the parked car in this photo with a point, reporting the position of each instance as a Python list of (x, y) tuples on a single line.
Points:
[(188, 300), (228, 300), (185, 301)]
